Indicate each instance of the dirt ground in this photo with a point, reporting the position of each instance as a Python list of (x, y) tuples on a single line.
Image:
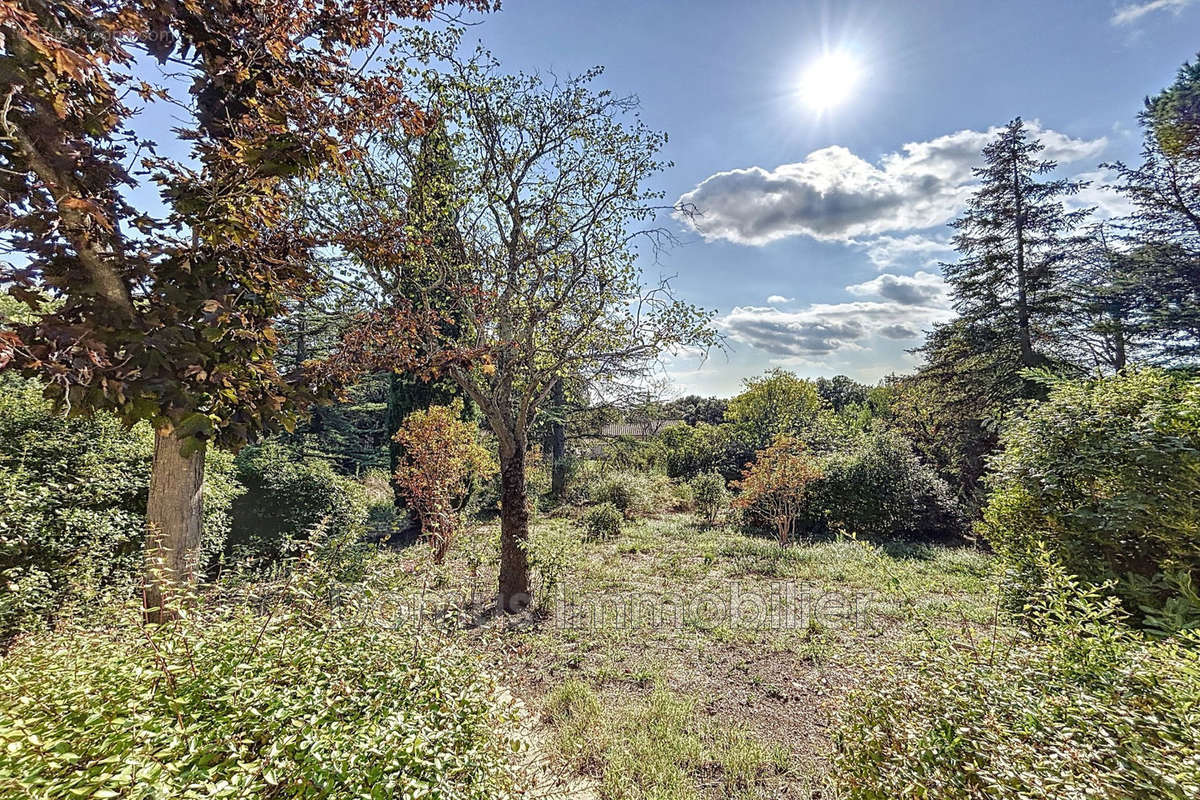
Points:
[(767, 642)]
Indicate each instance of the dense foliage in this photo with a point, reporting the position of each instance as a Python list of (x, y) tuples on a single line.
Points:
[(276, 694), (1074, 705), (73, 506), (603, 521), (441, 458), (776, 485), (776, 404), (690, 450), (878, 487), (710, 494), (1160, 292), (1104, 476), (287, 498)]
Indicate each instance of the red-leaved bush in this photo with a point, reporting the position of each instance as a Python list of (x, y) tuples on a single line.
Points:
[(442, 456), (776, 483)]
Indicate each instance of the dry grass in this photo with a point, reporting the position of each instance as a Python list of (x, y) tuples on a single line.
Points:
[(680, 660)]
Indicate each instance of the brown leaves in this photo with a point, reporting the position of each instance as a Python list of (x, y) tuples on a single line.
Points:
[(398, 339), (442, 454), (89, 207), (8, 347), (279, 90), (777, 481)]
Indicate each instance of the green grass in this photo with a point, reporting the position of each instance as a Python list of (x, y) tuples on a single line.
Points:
[(656, 747), (667, 702)]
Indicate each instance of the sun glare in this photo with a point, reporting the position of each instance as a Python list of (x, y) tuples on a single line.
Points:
[(829, 80)]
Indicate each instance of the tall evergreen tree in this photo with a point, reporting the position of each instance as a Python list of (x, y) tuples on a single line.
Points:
[(1107, 292), (1018, 249), (433, 232), (1164, 230), (1014, 242)]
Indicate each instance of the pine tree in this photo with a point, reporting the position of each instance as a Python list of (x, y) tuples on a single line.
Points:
[(1013, 287), (1164, 230), (1015, 240), (1108, 299)]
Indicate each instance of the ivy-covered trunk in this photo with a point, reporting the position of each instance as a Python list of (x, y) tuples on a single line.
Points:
[(514, 530), (174, 520)]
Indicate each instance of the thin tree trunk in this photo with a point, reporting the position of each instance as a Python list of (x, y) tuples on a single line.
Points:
[(1023, 323), (514, 531), (558, 444), (395, 416), (174, 517), (1118, 341)]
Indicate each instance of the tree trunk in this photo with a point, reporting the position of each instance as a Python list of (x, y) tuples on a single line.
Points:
[(397, 407), (514, 530), (1023, 321), (174, 517), (1118, 341), (558, 444)]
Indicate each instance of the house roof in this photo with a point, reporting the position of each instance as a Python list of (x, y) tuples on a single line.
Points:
[(638, 429)]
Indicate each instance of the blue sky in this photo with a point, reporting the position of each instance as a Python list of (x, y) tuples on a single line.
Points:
[(820, 232)]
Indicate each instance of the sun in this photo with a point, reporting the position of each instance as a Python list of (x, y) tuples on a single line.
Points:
[(830, 80)]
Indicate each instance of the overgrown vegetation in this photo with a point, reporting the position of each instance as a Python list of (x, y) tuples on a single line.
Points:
[(1071, 704), (378, 273), (72, 508), (208, 705), (1104, 477)]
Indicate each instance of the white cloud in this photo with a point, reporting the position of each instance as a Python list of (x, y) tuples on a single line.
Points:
[(824, 328), (921, 289), (1099, 194), (890, 251), (1132, 12), (834, 194), (778, 299)]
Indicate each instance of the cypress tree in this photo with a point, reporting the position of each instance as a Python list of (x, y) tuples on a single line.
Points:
[(433, 235)]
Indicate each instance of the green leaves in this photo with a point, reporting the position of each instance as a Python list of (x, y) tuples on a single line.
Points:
[(1078, 706), (270, 696), (1104, 475)]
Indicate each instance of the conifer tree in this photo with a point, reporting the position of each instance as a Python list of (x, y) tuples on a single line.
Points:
[(432, 228), (1164, 229), (1015, 240)]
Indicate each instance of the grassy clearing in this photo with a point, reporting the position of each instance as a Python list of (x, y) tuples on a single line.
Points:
[(656, 746), (682, 660)]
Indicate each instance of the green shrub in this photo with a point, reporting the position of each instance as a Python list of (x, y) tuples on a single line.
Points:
[(682, 497), (711, 495), (625, 490), (659, 493), (628, 453), (73, 496), (603, 521), (690, 450), (1104, 476), (555, 551), (303, 700), (1073, 704), (776, 403), (879, 488), (286, 498)]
